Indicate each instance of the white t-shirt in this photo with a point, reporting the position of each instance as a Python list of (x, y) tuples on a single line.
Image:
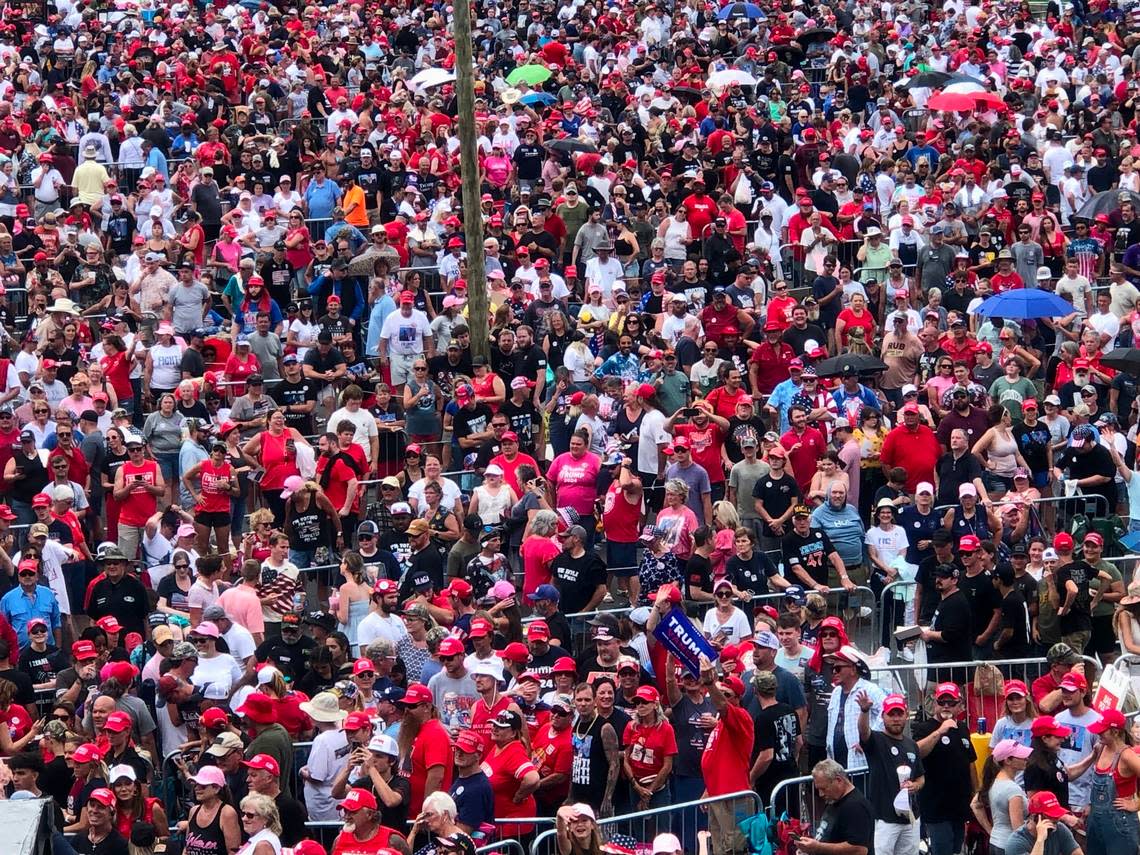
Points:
[(888, 544), (735, 628), (327, 757), (365, 427), (1075, 748), (450, 493), (221, 669), (240, 642), (405, 335), (375, 625), (650, 435)]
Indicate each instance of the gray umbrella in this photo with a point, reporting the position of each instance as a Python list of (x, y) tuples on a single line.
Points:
[(1107, 202)]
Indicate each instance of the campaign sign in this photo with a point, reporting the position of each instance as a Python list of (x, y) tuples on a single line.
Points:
[(684, 641)]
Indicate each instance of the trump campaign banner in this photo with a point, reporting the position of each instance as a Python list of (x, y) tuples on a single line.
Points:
[(684, 641)]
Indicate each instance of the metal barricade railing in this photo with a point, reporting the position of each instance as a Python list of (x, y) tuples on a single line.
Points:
[(680, 819), (502, 847), (1095, 499), (797, 797)]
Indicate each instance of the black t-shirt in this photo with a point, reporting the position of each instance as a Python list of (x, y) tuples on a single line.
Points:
[(42, 667), (528, 161), (849, 820), (925, 577), (113, 844), (953, 472), (884, 757), (1015, 616), (444, 373), (426, 566), (294, 657), (811, 332), (777, 494), (751, 575), (1048, 773), (776, 728), (1079, 617), (288, 393), (812, 552), (953, 618), (396, 817), (577, 579), (471, 421), (1084, 464), (983, 597), (945, 797), (698, 574), (525, 421)]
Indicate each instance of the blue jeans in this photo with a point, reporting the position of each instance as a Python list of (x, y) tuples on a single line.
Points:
[(168, 462), (945, 838), (689, 788)]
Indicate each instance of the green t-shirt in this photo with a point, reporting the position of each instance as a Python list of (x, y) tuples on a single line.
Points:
[(1104, 609), (1010, 395)]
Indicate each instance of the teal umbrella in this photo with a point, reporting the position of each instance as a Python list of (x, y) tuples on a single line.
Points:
[(532, 75)]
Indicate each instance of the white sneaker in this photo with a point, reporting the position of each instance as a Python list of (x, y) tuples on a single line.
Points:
[(608, 598), (865, 611), (906, 654)]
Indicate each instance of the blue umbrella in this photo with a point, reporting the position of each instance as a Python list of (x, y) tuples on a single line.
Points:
[(532, 98), (740, 10), (1024, 303)]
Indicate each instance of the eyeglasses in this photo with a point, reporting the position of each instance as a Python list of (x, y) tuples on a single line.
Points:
[(248, 814)]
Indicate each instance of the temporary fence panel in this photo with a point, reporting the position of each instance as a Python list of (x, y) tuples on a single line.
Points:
[(681, 819), (502, 847), (797, 797)]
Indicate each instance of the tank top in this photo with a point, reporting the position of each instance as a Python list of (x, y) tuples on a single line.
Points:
[(1003, 455), (977, 525), (589, 766), (624, 425), (493, 506), (215, 488), (485, 388), (423, 418), (138, 507), (304, 527), (482, 716), (1125, 786), (619, 517), (204, 839), (35, 477), (124, 821), (278, 465), (167, 363)]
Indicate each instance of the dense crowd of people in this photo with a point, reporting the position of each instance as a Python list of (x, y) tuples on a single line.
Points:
[(806, 320)]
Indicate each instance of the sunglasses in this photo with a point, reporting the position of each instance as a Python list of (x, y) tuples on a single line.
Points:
[(37, 630), (725, 596), (181, 566), (28, 574), (247, 814), (947, 702)]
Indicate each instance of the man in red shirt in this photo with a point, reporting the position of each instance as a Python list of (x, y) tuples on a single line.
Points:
[(913, 446), (725, 762), (1046, 689), (705, 435), (805, 445), (768, 364), (701, 208), (722, 315), (960, 347), (431, 758)]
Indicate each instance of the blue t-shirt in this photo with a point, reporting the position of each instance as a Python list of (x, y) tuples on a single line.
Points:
[(474, 800)]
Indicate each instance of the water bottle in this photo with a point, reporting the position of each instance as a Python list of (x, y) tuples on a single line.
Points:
[(981, 724)]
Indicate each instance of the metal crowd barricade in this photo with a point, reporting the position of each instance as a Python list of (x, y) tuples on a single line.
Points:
[(1094, 499), (681, 819), (502, 847), (797, 797), (847, 604)]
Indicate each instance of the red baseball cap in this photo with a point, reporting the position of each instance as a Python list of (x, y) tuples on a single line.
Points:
[(83, 650), (894, 702), (1108, 719), (450, 646), (950, 689), (538, 631), (1063, 541), (109, 624), (480, 627), (564, 665), (357, 720), (358, 799), (969, 543), (1074, 681), (118, 721), (460, 587), (417, 693), (102, 795), (1094, 538), (516, 651), (1046, 725), (647, 693), (1045, 803), (469, 742), (263, 762), (215, 717), (363, 666)]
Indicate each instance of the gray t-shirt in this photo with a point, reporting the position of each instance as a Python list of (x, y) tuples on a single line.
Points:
[(742, 478), (186, 305), (453, 699), (267, 349), (697, 479), (1059, 842), (1001, 793)]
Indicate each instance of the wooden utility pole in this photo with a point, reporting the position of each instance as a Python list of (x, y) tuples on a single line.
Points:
[(478, 310)]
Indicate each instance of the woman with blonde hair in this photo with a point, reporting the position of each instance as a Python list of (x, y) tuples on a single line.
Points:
[(355, 596), (261, 821), (726, 520), (90, 773), (1017, 716)]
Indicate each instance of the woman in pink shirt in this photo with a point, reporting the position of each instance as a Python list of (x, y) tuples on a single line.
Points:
[(573, 477), (496, 169)]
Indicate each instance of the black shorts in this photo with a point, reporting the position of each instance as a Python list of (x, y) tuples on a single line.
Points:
[(212, 519)]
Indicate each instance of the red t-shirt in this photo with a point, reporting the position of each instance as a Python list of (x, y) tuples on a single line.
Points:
[(771, 361), (482, 716), (537, 553), (506, 767), (620, 517), (1006, 281), (432, 748), (19, 722), (77, 466), (140, 505), (337, 489), (867, 322), (705, 445), (553, 753), (237, 370), (1042, 686), (647, 747), (117, 370), (725, 762), (347, 844), (724, 402), (812, 445)]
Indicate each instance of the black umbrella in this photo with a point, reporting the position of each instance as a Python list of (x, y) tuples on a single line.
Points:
[(570, 145), (835, 366), (816, 34), (1123, 359), (1107, 202), (790, 53), (939, 79), (686, 92)]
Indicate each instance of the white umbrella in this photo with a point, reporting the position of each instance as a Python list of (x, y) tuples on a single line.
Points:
[(964, 87), (720, 79), (430, 77)]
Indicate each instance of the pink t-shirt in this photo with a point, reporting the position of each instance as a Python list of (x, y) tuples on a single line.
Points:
[(679, 525), (498, 170), (243, 607), (576, 480)]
